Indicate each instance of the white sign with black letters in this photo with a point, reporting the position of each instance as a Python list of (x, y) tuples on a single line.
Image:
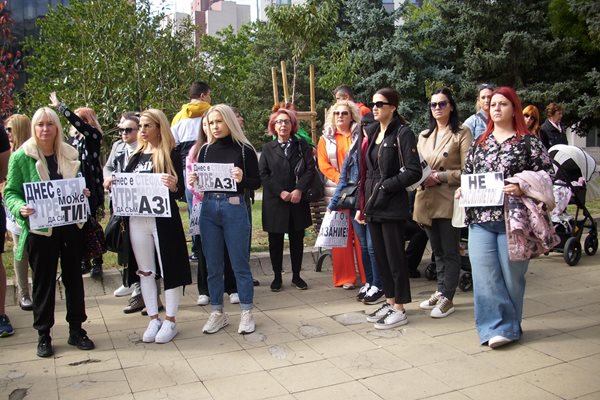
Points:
[(334, 230), (56, 203), (214, 177), (140, 195), (482, 190)]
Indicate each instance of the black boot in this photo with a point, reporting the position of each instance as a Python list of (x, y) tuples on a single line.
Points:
[(276, 284), (86, 267), (96, 271)]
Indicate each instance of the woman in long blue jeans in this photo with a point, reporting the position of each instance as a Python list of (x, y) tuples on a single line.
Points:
[(224, 216), (499, 283)]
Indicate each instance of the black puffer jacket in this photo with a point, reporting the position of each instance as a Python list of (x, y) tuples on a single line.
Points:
[(385, 184)]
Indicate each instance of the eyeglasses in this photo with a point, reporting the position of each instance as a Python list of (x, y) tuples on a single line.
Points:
[(343, 113), (283, 122), (489, 86), (441, 104), (126, 130), (380, 104)]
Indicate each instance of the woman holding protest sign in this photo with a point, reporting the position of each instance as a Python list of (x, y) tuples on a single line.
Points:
[(224, 216), (287, 168), (157, 237), (444, 146), (46, 157), (506, 146), (391, 165)]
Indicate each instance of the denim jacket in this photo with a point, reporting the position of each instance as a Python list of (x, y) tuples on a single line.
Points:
[(350, 173)]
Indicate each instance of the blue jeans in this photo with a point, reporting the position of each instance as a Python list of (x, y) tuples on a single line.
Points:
[(222, 222), (367, 253), (498, 283)]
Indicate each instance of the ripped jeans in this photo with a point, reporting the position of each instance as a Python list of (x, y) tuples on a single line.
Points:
[(144, 243)]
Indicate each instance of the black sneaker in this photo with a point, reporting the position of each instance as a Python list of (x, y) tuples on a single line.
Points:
[(193, 258), (373, 296), (80, 339), (86, 267), (299, 283), (276, 285), (44, 347), (96, 272), (255, 282)]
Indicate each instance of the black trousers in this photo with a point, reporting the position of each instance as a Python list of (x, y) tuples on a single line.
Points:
[(65, 242), (388, 244), (296, 239), (417, 243)]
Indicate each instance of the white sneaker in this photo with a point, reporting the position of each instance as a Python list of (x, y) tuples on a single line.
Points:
[(216, 321), (167, 332), (137, 290), (380, 312), (363, 292), (348, 286), (151, 331), (203, 300), (498, 341), (123, 291), (430, 303), (247, 324), (234, 298), (392, 319), (443, 308)]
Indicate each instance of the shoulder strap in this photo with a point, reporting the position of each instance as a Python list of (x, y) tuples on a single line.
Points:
[(400, 156)]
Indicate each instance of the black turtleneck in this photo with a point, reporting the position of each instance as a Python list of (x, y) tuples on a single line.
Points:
[(226, 151)]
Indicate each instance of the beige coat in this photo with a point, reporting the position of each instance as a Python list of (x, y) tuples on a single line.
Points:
[(448, 158)]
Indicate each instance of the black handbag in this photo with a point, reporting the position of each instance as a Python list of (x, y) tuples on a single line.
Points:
[(348, 197), (94, 241), (316, 191), (115, 234)]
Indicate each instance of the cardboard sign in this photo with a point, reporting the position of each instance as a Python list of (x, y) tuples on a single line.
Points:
[(482, 190), (195, 219), (334, 230), (140, 195), (56, 203), (214, 177)]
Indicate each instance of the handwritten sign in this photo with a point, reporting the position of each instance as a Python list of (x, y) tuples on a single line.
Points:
[(334, 230), (56, 203), (140, 195), (482, 190), (195, 219), (214, 177)]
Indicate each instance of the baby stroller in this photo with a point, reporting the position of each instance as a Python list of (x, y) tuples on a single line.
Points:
[(465, 282), (573, 169)]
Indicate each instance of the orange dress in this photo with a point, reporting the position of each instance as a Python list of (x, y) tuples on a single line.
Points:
[(331, 153)]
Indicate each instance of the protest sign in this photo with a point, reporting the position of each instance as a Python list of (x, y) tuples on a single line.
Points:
[(140, 195), (334, 230), (482, 190), (195, 219), (214, 177), (56, 203)]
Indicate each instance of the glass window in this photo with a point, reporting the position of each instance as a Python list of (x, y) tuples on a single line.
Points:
[(388, 5)]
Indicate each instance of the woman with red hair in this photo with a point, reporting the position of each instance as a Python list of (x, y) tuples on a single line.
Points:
[(498, 283), (531, 116)]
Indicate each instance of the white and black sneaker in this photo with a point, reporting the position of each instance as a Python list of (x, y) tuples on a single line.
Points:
[(379, 313), (362, 292), (374, 296), (392, 319)]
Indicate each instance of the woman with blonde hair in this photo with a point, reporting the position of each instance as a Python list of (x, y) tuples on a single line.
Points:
[(161, 239), (532, 119), (342, 129), (46, 157), (224, 216), (18, 128)]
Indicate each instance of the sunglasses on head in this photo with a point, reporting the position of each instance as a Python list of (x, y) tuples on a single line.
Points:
[(489, 86), (380, 104), (126, 130), (441, 104), (343, 113)]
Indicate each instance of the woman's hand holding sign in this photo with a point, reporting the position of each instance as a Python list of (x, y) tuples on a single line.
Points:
[(26, 211), (169, 181), (237, 174)]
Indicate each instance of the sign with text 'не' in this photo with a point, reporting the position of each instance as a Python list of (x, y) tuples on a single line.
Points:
[(482, 190), (214, 177), (56, 203), (140, 195)]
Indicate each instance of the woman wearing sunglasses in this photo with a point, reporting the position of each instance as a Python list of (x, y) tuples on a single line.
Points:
[(342, 129), (532, 119), (444, 146), (391, 165)]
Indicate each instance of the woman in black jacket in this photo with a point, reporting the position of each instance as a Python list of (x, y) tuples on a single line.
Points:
[(391, 165), (287, 168)]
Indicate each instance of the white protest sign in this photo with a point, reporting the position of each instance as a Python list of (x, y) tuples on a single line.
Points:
[(140, 195), (482, 190), (334, 230), (195, 219), (56, 203), (214, 177)]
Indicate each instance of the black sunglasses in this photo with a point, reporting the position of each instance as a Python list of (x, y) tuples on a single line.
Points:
[(380, 104), (442, 104), (126, 130), (489, 86)]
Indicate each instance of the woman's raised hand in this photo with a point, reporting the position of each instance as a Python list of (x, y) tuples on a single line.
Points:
[(54, 102)]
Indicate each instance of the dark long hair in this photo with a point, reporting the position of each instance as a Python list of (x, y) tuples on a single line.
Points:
[(392, 96), (454, 120), (518, 122)]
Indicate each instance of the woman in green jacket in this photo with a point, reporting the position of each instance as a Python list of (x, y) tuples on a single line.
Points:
[(41, 158)]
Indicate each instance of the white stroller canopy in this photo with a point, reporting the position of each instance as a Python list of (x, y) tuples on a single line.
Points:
[(563, 154)]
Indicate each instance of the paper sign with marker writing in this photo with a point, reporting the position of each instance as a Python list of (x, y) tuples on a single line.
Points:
[(482, 190)]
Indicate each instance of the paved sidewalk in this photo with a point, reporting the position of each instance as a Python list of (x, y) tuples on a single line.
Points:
[(315, 344)]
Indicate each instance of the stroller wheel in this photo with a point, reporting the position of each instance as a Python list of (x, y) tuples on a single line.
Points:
[(431, 272), (465, 283), (572, 251), (590, 244)]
